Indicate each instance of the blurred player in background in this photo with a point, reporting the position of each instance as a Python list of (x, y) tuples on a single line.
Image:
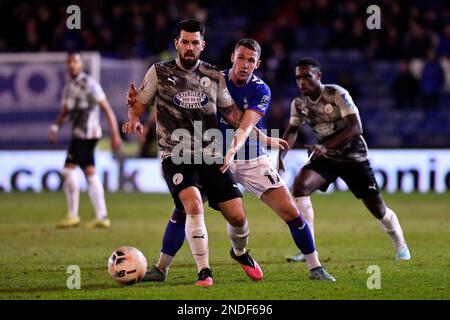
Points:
[(83, 98), (342, 151), (186, 91), (251, 168)]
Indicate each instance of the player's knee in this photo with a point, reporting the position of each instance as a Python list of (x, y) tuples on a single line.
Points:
[(237, 220), (89, 171), (302, 188), (193, 206), (178, 216), (288, 212), (378, 210), (70, 179)]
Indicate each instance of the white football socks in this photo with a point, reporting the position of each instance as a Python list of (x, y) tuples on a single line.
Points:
[(238, 237), (72, 190), (97, 196), (312, 260), (197, 236), (392, 227), (304, 205)]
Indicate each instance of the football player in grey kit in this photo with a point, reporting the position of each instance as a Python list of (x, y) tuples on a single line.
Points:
[(83, 99), (342, 151), (187, 93)]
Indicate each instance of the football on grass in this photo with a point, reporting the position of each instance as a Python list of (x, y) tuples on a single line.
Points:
[(127, 265)]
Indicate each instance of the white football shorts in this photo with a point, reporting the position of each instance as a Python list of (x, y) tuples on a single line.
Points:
[(256, 175)]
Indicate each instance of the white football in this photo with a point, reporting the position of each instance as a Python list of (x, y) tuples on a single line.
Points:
[(127, 265)]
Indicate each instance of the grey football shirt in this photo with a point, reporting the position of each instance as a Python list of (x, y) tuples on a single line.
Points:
[(326, 117), (183, 98)]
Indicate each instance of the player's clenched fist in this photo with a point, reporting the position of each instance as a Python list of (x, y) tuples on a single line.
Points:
[(132, 126)]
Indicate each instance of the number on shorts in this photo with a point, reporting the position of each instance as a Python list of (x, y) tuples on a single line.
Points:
[(272, 176)]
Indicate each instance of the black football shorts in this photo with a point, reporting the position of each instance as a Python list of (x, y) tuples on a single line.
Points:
[(81, 152), (358, 176), (216, 186)]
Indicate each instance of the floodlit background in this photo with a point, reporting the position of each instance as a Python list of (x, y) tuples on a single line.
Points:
[(398, 76)]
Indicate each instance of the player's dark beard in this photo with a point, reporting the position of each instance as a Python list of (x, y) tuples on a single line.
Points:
[(189, 63)]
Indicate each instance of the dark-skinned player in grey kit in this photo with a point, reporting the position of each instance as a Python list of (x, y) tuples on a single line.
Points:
[(341, 151)]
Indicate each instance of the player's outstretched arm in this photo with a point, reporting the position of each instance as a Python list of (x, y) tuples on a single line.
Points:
[(59, 121), (233, 115), (246, 126), (116, 141)]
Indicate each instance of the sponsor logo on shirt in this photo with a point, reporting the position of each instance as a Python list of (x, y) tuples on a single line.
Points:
[(324, 129), (172, 80), (191, 99)]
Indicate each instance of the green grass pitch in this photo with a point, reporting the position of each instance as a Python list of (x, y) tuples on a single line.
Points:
[(34, 256)]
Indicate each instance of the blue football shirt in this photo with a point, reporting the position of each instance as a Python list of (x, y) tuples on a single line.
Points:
[(254, 95)]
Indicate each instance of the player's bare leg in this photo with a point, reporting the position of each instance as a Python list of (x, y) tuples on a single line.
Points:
[(280, 200), (196, 233), (389, 221), (72, 190), (97, 197), (306, 182), (238, 233)]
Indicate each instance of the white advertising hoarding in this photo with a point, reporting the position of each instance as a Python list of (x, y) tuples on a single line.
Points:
[(422, 170), (395, 170)]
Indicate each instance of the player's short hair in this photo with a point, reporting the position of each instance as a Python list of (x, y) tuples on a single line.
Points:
[(309, 61), (249, 44), (190, 25), (72, 53)]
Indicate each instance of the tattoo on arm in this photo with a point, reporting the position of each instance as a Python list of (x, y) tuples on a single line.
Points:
[(232, 115)]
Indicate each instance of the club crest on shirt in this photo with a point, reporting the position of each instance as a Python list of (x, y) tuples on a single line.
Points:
[(205, 82), (328, 108), (191, 99)]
